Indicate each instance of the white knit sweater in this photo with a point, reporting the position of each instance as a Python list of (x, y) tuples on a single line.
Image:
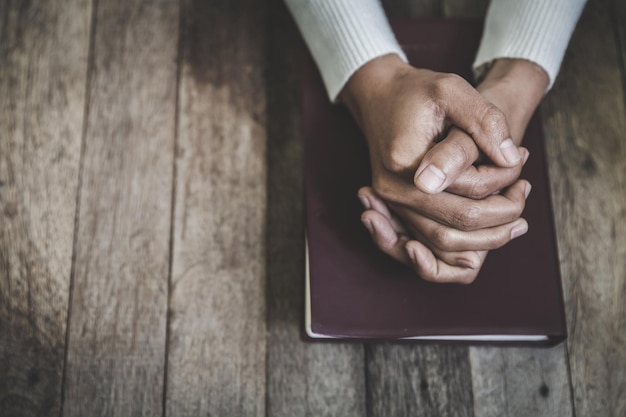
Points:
[(345, 34)]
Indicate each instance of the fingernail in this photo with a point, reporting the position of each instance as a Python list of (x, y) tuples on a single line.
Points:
[(527, 189), (365, 201), (526, 155), (510, 152), (432, 178), (519, 230), (368, 226)]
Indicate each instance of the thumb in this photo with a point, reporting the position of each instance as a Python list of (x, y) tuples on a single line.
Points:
[(481, 119)]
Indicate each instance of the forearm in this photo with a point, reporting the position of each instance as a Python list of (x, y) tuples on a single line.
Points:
[(370, 82), (343, 35), (534, 30)]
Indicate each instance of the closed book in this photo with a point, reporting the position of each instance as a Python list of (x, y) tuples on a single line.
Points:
[(354, 291)]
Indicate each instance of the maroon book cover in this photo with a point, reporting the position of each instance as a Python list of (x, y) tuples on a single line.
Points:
[(354, 291)]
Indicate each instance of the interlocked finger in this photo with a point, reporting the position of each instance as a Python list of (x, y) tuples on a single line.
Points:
[(447, 239), (389, 233), (478, 182), (460, 212)]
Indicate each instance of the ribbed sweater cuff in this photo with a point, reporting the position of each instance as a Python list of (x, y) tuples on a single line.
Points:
[(536, 30), (342, 35)]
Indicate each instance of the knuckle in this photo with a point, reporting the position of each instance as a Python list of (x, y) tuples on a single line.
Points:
[(459, 154), (446, 83), (382, 188), (399, 159), (433, 275), (498, 240), (441, 238), (519, 208), (515, 208), (385, 190), (493, 121), (430, 115), (385, 241), (451, 80), (436, 279), (479, 189), (468, 218), (427, 274)]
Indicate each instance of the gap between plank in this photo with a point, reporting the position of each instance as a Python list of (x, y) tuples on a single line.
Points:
[(172, 206), (83, 139)]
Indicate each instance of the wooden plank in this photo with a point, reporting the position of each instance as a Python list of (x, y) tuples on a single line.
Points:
[(521, 381), (304, 379), (618, 374), (405, 380), (43, 65), (585, 121), (619, 23), (418, 380), (117, 328), (217, 343)]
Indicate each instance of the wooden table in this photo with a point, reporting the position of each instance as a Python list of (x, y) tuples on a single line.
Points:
[(151, 226)]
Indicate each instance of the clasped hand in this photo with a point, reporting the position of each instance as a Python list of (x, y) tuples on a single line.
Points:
[(431, 205)]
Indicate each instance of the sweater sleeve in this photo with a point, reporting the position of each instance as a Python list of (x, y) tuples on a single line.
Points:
[(536, 30), (342, 35)]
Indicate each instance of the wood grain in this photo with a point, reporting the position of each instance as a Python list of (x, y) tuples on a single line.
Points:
[(226, 356), (217, 343), (405, 380), (418, 380), (585, 121), (43, 66), (522, 381), (304, 379), (116, 349), (618, 11)]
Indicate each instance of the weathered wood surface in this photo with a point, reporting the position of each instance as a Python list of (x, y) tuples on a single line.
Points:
[(191, 144), (585, 121), (412, 379), (303, 379), (405, 380), (521, 381), (116, 343), (217, 344), (42, 96)]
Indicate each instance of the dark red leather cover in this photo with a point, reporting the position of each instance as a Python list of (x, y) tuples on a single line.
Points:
[(357, 291)]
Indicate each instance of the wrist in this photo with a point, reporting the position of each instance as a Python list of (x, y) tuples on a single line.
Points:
[(369, 81), (515, 86)]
